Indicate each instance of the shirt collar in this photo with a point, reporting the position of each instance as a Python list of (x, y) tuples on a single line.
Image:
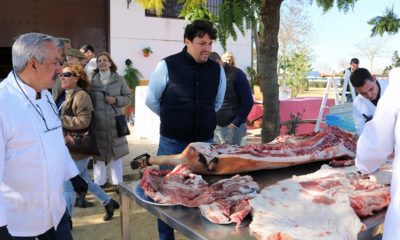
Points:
[(30, 92)]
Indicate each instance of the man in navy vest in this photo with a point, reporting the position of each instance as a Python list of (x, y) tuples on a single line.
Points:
[(238, 101), (186, 90)]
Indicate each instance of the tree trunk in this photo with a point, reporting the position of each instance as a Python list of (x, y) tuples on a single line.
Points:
[(267, 60)]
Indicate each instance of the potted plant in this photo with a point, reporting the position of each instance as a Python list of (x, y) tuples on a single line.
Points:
[(147, 51), (132, 76)]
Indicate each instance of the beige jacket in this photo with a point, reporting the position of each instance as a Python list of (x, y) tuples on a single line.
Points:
[(82, 108)]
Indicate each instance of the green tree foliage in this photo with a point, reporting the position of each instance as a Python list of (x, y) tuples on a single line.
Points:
[(343, 5), (254, 77), (189, 5), (195, 13), (132, 76), (296, 68), (388, 23), (236, 14)]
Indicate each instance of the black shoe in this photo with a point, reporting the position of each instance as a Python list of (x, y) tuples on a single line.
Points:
[(82, 203), (110, 208), (70, 223)]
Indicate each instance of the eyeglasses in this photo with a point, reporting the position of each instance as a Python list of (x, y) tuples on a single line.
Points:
[(39, 110), (66, 74), (55, 111)]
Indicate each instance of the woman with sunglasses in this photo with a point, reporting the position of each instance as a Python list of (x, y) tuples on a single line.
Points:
[(110, 94), (76, 85)]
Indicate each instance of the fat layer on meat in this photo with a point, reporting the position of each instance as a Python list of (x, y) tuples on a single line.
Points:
[(317, 206)]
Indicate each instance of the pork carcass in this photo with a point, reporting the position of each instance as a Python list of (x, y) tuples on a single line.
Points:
[(222, 202), (325, 205), (205, 158)]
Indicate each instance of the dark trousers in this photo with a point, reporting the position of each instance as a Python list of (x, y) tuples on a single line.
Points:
[(63, 231), (168, 146)]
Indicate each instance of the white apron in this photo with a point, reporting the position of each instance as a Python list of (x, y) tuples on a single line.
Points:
[(380, 136)]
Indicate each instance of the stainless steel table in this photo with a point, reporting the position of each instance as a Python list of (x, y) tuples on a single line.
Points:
[(193, 225)]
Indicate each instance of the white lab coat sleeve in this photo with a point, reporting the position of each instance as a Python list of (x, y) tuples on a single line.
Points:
[(70, 170), (359, 120), (377, 139), (3, 137)]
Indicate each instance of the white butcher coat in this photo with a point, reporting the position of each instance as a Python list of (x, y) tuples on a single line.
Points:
[(33, 163), (362, 105), (377, 141)]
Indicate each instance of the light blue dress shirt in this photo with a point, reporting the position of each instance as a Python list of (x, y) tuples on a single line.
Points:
[(159, 80)]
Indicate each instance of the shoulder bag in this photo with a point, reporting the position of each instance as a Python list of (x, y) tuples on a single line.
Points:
[(83, 141), (121, 123)]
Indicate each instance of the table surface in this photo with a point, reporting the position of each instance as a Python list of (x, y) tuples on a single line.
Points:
[(193, 225)]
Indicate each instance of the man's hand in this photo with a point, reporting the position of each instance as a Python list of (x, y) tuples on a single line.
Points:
[(4, 234), (79, 184)]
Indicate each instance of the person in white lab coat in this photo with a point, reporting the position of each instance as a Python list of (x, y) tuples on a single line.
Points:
[(34, 161), (369, 91), (377, 141)]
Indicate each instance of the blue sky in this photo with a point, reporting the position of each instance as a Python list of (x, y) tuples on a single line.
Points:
[(337, 34)]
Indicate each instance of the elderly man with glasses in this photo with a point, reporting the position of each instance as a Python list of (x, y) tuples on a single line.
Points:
[(34, 161)]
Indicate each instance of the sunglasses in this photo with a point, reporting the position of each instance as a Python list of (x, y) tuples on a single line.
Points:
[(66, 74)]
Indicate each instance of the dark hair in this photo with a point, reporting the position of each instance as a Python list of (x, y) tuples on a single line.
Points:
[(113, 67), (360, 76), (215, 57), (355, 61), (199, 28), (87, 47)]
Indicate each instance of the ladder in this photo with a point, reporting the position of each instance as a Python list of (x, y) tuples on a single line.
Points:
[(347, 82), (331, 81)]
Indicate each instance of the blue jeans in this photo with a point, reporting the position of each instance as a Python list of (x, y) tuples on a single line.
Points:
[(70, 196), (96, 190), (63, 231), (229, 135), (169, 146), (93, 188)]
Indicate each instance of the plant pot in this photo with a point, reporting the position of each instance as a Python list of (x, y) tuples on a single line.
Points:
[(146, 54)]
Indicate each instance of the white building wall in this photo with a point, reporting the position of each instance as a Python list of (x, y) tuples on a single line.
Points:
[(131, 31)]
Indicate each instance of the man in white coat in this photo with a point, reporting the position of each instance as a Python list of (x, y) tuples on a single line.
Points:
[(377, 141), (369, 91), (34, 161)]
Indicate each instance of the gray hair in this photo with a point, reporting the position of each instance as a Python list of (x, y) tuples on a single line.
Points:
[(62, 42), (30, 46)]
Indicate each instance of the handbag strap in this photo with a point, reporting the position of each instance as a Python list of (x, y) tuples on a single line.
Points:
[(116, 111), (68, 108)]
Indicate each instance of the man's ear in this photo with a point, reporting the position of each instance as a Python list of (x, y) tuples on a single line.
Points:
[(186, 41), (32, 64)]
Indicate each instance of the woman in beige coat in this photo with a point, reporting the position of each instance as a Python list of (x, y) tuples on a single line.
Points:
[(76, 114), (110, 93)]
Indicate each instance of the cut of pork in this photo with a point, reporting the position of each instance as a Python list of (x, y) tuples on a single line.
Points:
[(179, 186), (206, 158), (223, 202), (232, 197), (325, 205)]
